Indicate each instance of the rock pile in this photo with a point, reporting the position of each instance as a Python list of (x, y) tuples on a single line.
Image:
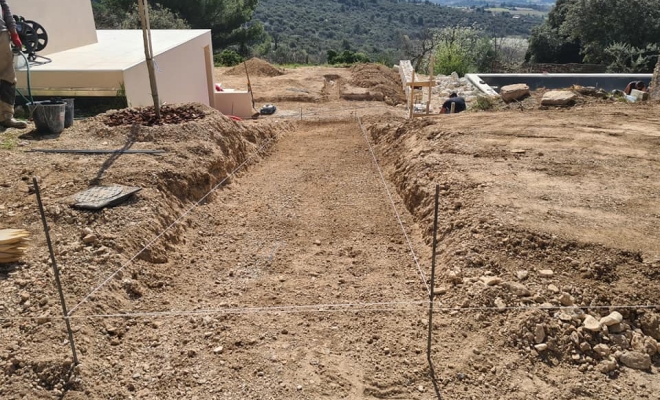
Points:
[(447, 84), (628, 338)]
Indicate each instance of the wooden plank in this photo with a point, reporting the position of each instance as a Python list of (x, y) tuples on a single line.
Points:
[(412, 97), (431, 76), (421, 83)]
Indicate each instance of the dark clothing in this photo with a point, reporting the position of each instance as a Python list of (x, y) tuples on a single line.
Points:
[(632, 85), (460, 105)]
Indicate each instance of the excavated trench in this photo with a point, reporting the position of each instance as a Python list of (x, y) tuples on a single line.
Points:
[(312, 225), (503, 274)]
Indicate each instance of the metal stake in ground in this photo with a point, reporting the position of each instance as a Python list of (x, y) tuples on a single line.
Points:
[(432, 292), (56, 271)]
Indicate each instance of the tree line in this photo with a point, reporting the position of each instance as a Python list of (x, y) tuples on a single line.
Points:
[(621, 34), (304, 31)]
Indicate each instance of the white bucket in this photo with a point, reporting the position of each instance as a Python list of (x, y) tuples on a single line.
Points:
[(19, 62)]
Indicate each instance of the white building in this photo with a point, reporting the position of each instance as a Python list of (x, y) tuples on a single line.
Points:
[(87, 62)]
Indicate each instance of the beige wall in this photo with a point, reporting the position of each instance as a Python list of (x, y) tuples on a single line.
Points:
[(238, 103), (71, 83), (69, 23), (181, 74)]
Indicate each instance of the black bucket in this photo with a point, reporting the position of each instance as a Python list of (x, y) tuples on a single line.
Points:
[(48, 116), (68, 115)]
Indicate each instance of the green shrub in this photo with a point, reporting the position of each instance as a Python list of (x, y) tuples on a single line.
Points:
[(346, 57), (483, 103), (450, 59), (227, 58)]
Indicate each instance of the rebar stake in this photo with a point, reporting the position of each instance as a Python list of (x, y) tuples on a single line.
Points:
[(56, 271), (432, 291)]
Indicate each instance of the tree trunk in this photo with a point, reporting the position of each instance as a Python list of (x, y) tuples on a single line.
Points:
[(655, 83), (143, 9)]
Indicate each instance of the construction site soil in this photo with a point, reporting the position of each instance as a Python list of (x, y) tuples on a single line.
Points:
[(275, 259)]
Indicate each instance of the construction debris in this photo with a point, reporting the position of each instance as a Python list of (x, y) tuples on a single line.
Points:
[(12, 244)]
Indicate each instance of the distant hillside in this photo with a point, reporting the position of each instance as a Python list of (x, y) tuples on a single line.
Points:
[(492, 3), (303, 30)]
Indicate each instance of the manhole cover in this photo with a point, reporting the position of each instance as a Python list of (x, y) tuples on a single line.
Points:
[(98, 197)]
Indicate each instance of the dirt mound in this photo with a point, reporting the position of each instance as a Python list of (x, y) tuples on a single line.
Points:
[(381, 79), (519, 246), (256, 67), (146, 116), (199, 156)]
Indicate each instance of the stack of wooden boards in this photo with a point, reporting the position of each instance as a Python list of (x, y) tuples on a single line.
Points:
[(13, 243)]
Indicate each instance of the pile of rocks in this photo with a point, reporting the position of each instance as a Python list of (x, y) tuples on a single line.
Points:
[(594, 342), (447, 84)]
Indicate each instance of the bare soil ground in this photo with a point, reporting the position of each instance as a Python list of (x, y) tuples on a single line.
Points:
[(294, 280)]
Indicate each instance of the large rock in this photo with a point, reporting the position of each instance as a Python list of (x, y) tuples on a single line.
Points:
[(651, 325), (514, 92), (635, 360), (655, 84), (612, 319), (558, 98), (590, 323)]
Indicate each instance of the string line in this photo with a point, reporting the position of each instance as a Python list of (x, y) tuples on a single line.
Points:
[(175, 222), (396, 212)]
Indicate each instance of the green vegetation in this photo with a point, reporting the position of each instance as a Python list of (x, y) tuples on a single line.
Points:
[(109, 15), (463, 50), (346, 57), (227, 58), (619, 33), (302, 31), (228, 19), (332, 31), (518, 11), (8, 141), (483, 103)]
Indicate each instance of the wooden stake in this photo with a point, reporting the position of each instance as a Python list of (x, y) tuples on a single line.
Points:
[(412, 95), (431, 79), (56, 271), (143, 9)]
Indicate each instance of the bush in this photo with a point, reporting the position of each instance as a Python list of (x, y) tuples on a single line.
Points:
[(483, 103), (463, 50), (227, 58), (449, 59), (346, 57)]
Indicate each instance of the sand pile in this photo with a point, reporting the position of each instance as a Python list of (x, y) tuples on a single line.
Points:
[(256, 67), (379, 78)]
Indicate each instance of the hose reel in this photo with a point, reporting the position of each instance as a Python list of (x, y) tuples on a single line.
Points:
[(33, 36)]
